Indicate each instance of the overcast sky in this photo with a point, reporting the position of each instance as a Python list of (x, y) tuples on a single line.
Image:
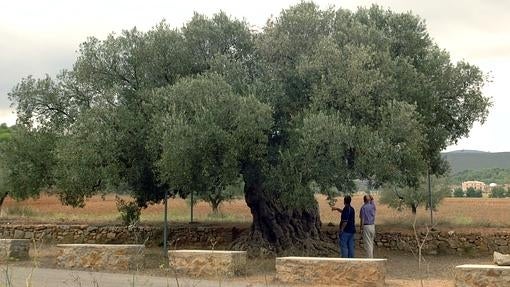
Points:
[(39, 37)]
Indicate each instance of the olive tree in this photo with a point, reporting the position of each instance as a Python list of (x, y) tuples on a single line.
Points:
[(319, 96)]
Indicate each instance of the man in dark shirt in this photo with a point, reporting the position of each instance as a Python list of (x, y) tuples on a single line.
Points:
[(347, 228)]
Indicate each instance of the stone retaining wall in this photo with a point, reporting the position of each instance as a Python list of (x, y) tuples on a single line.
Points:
[(348, 272), (208, 263), (14, 248), (439, 242), (201, 236), (182, 235), (482, 276), (101, 256)]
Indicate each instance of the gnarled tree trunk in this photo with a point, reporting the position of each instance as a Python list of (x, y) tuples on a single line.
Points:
[(277, 230)]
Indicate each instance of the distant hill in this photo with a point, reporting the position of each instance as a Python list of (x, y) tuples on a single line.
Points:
[(476, 160), (467, 151)]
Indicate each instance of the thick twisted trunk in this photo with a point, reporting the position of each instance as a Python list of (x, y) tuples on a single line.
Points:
[(279, 230)]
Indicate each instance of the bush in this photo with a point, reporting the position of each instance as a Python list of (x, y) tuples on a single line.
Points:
[(498, 192), (458, 192), (471, 192), (129, 211)]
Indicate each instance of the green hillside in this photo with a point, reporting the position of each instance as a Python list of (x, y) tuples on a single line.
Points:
[(489, 175), (476, 160)]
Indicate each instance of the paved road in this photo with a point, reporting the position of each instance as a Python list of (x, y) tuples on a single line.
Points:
[(45, 277)]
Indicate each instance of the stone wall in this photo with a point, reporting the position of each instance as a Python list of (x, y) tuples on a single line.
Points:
[(14, 248), (180, 235), (439, 242), (482, 276), (208, 263), (204, 236), (352, 272), (101, 256)]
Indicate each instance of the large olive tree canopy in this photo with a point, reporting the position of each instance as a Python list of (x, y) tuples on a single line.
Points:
[(318, 98)]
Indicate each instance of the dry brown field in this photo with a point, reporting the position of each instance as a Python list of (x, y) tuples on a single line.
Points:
[(453, 212)]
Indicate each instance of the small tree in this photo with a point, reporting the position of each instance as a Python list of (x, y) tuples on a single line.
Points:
[(410, 197), (471, 192), (216, 197), (458, 192), (498, 192), (129, 211)]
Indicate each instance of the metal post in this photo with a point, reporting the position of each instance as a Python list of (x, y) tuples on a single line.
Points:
[(430, 198), (165, 228), (192, 205)]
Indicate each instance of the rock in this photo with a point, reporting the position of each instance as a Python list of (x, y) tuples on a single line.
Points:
[(337, 271), (29, 235), (215, 263), (111, 235), (501, 259), (14, 248), (482, 275), (101, 256), (19, 234)]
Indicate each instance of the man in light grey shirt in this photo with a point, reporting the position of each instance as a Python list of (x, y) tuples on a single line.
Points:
[(367, 224)]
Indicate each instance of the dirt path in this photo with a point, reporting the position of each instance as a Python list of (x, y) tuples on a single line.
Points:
[(47, 277)]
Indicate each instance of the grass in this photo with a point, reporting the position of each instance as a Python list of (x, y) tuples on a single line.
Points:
[(453, 212)]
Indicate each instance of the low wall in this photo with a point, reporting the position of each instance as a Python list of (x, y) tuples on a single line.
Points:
[(348, 272), (482, 275), (180, 235), (208, 263), (438, 242), (203, 236), (101, 256), (14, 248)]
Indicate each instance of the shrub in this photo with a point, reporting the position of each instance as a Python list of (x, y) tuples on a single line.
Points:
[(458, 192), (498, 192), (129, 211), (471, 192)]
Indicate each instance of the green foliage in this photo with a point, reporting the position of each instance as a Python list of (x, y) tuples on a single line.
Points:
[(26, 162), (216, 197), (412, 198), (487, 175), (471, 192), (473, 161), (499, 192), (318, 96), (129, 211), (458, 192), (5, 133)]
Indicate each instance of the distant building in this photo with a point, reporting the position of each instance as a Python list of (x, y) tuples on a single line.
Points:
[(474, 184)]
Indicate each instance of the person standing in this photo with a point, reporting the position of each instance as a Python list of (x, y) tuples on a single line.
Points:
[(367, 224), (347, 228)]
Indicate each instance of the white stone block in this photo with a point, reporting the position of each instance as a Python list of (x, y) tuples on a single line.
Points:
[(101, 256), (331, 271), (472, 275), (208, 263)]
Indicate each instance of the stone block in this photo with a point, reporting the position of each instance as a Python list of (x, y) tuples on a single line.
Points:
[(471, 275), (19, 234), (14, 248), (352, 272), (208, 263), (101, 256)]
